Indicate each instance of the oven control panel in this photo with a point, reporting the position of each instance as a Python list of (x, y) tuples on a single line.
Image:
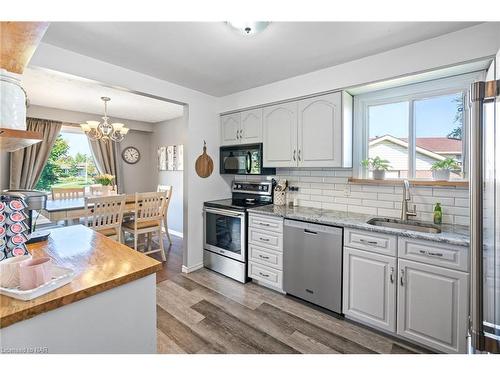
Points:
[(261, 188)]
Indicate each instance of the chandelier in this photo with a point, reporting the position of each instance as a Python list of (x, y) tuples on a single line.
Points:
[(103, 130)]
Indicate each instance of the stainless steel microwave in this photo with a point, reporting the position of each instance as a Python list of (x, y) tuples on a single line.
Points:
[(243, 159)]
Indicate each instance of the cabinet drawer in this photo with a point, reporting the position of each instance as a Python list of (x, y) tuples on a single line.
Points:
[(434, 253), (265, 256), (371, 241), (266, 222), (266, 274), (271, 240)]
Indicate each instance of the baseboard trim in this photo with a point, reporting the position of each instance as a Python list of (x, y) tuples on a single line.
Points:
[(196, 267), (175, 233)]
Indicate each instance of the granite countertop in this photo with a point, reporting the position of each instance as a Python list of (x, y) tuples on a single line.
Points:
[(451, 234), (99, 263)]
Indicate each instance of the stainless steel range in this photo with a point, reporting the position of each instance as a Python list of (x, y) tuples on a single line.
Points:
[(225, 228)]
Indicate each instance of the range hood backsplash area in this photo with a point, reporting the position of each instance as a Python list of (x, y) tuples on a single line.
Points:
[(328, 188)]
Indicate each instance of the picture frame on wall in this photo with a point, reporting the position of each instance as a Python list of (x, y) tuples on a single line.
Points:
[(170, 158)]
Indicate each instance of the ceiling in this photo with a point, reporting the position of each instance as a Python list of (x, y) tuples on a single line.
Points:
[(214, 58), (77, 94)]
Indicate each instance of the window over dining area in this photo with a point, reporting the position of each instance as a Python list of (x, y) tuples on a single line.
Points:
[(415, 127), (70, 163)]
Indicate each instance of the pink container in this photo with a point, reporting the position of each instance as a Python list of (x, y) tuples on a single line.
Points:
[(35, 272)]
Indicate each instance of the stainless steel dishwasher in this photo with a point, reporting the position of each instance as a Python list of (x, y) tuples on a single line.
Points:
[(312, 263)]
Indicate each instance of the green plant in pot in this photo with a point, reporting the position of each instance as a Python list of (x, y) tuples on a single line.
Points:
[(378, 166), (442, 168)]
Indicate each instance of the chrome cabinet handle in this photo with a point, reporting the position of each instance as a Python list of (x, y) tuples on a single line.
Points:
[(401, 279), (430, 253), (299, 156), (294, 155), (264, 239), (435, 254), (263, 274), (263, 256), (237, 134), (265, 224), (391, 277), (241, 134), (368, 242)]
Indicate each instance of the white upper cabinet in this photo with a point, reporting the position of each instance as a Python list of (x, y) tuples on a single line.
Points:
[(230, 129), (320, 131), (313, 132), (251, 126), (280, 135)]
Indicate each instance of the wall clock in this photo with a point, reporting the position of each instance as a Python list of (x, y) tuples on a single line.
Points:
[(131, 155)]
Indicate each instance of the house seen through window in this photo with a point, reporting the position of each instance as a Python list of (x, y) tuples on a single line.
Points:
[(415, 132), (70, 163)]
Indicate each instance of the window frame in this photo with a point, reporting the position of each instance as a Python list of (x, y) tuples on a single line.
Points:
[(409, 93)]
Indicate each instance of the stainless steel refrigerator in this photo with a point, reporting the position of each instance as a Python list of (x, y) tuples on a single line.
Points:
[(484, 162)]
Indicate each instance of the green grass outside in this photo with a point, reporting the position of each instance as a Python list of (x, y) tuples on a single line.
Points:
[(73, 182)]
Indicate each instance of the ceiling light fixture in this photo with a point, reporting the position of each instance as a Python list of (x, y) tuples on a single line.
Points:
[(248, 27), (103, 130)]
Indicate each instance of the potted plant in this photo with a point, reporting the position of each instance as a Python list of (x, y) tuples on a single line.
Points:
[(442, 168), (377, 165), (106, 180)]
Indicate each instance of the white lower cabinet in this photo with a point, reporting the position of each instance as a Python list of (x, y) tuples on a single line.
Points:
[(369, 293), (421, 301), (265, 250), (432, 306)]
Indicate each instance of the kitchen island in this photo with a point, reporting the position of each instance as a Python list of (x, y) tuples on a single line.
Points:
[(109, 307)]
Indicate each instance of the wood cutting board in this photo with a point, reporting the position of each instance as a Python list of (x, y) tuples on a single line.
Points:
[(204, 164)]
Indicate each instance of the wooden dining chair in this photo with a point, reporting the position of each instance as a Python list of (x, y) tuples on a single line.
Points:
[(168, 190), (149, 211), (67, 193), (106, 215)]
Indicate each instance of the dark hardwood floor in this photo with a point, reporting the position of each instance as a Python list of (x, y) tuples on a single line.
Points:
[(204, 312)]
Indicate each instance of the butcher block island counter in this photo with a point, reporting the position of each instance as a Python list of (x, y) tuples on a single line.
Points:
[(109, 307)]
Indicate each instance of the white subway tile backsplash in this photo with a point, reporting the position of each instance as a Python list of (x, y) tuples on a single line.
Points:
[(311, 179), (389, 197), (377, 203), (462, 202), (334, 206), (363, 194), (462, 220), (343, 173), (433, 200), (335, 180), (328, 188), (362, 210)]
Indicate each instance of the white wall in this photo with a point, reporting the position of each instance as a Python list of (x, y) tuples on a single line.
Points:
[(166, 133), (137, 177), (202, 124), (464, 45)]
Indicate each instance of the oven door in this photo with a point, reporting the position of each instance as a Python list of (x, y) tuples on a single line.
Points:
[(225, 232)]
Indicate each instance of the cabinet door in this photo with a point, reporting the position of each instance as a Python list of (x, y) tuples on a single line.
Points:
[(280, 135), (320, 131), (251, 126), (230, 129), (433, 306), (369, 293)]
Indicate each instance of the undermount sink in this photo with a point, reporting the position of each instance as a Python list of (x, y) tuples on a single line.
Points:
[(405, 225)]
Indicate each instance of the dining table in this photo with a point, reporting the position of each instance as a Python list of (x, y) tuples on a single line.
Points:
[(73, 209)]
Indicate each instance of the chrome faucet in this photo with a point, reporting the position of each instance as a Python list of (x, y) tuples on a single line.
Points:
[(406, 198)]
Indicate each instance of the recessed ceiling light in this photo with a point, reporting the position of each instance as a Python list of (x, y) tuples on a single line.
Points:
[(248, 27)]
